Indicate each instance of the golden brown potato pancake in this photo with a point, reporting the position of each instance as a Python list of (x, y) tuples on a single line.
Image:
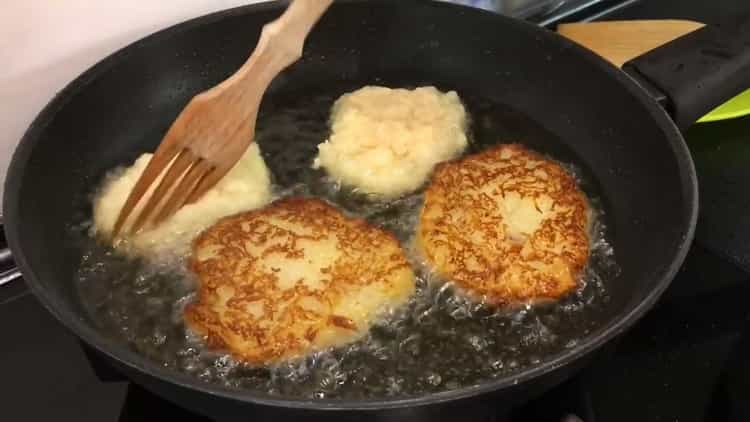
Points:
[(506, 225), (294, 277)]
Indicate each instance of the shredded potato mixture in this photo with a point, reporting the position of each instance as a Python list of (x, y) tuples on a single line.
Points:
[(387, 141)]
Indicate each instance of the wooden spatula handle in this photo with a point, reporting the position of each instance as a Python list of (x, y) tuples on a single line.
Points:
[(620, 41), (298, 20), (280, 44), (282, 40)]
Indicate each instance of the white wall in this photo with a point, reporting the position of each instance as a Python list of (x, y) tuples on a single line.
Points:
[(46, 43)]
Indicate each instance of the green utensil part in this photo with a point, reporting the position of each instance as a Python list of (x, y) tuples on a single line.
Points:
[(736, 107)]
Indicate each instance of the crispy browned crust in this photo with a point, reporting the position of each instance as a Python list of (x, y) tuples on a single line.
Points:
[(240, 304), (462, 232)]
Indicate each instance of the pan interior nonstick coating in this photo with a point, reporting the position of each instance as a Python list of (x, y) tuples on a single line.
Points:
[(520, 85)]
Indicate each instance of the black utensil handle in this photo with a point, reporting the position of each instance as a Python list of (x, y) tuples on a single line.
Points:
[(699, 71)]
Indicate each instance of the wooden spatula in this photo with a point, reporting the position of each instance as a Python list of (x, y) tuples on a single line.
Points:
[(217, 126), (620, 41)]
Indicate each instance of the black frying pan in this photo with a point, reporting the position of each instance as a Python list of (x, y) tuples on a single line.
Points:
[(617, 128)]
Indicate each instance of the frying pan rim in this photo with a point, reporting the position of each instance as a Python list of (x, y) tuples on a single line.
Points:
[(140, 363)]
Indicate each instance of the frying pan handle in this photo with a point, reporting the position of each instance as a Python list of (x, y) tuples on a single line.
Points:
[(10, 274), (699, 71)]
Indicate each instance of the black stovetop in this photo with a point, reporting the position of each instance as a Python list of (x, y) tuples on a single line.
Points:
[(688, 360)]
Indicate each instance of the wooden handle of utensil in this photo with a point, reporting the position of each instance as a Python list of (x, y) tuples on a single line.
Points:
[(298, 20), (282, 40), (280, 44), (620, 41)]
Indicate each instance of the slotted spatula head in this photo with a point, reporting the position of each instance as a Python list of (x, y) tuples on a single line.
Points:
[(214, 130)]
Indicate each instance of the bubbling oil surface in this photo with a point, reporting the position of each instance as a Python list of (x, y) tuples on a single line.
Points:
[(438, 341)]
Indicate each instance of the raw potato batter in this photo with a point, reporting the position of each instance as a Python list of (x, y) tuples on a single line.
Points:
[(387, 141), (245, 187)]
